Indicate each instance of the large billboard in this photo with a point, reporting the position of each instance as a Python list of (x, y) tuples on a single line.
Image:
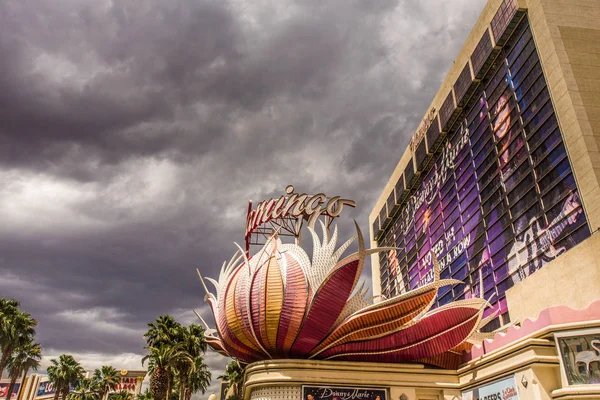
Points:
[(4, 386), (45, 389), (500, 200)]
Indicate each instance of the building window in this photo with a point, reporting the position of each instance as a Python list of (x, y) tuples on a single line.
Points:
[(579, 357)]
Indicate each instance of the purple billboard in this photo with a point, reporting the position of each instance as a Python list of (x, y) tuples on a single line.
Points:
[(45, 389), (500, 200), (5, 386)]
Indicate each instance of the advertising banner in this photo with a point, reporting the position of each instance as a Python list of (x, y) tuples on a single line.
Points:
[(505, 389), (500, 199), (4, 386), (342, 393), (45, 389)]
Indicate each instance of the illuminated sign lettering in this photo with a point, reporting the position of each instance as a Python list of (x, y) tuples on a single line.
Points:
[(425, 124), (295, 205)]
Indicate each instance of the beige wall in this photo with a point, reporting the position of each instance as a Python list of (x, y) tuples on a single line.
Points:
[(573, 280)]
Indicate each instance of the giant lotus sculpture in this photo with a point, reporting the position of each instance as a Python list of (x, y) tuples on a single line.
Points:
[(281, 303)]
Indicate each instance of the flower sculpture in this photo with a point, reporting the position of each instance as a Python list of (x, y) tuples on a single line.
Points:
[(282, 304)]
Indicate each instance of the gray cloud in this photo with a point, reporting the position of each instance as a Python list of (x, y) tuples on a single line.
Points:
[(133, 133)]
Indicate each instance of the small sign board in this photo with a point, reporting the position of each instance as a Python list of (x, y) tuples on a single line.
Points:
[(342, 393), (505, 389)]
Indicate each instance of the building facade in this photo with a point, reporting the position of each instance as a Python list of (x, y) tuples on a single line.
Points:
[(501, 182), (501, 179)]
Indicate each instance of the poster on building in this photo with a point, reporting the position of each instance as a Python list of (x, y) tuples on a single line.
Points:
[(342, 393), (580, 358), (4, 386), (505, 389), (499, 201), (45, 389), (224, 389)]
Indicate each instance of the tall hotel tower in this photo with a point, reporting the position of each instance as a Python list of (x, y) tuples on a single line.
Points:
[(501, 180)]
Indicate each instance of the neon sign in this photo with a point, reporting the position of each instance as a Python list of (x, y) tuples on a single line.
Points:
[(420, 133), (298, 205)]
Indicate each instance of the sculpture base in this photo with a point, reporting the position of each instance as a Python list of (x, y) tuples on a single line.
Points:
[(297, 379)]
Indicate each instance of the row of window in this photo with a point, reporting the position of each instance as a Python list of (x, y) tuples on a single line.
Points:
[(510, 198)]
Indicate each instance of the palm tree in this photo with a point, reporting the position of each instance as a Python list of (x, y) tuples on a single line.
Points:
[(145, 396), (193, 344), (7, 307), (121, 395), (198, 380), (32, 362), (234, 374), (162, 360), (105, 379), (186, 373), (163, 330), (64, 373), (25, 357), (16, 329), (84, 390)]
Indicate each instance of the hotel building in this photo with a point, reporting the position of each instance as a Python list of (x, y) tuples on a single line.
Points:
[(501, 182)]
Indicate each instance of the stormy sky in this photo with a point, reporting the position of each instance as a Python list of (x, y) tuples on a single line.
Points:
[(133, 133)]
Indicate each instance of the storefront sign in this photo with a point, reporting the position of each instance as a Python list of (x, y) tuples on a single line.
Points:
[(342, 393), (505, 389), (579, 357)]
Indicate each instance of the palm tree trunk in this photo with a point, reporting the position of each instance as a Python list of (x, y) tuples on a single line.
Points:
[(56, 393), (168, 396), (188, 394), (11, 386), (236, 390), (182, 387)]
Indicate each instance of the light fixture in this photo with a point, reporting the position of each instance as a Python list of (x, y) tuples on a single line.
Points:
[(524, 381)]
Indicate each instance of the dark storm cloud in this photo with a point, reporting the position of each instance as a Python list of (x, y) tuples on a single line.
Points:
[(133, 133)]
